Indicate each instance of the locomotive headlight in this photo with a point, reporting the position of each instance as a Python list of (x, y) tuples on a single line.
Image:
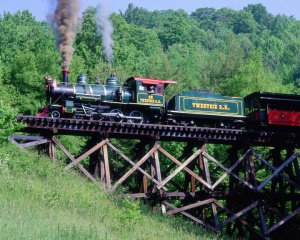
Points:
[(282, 116)]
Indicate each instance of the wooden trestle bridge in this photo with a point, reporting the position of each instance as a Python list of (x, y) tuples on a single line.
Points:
[(249, 189)]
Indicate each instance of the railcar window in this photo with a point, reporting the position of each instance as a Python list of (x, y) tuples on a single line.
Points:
[(251, 105), (141, 87), (150, 88), (282, 105), (295, 106), (159, 89)]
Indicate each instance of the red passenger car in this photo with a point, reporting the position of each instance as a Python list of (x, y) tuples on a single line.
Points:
[(272, 110)]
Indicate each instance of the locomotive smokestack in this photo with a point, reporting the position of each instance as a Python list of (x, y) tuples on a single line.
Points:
[(65, 76)]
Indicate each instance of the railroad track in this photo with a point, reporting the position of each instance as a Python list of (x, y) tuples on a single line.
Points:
[(86, 127)]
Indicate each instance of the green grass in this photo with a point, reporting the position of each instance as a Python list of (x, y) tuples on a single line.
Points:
[(40, 200)]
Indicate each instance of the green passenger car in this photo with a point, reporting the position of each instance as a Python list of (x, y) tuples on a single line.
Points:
[(205, 108)]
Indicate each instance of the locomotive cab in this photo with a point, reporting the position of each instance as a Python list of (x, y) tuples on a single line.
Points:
[(148, 96), (148, 91)]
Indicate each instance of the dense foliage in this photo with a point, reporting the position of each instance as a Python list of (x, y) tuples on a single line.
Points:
[(231, 52), (8, 122)]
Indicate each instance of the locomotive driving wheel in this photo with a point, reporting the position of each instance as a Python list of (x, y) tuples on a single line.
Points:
[(55, 114), (135, 117), (116, 115)]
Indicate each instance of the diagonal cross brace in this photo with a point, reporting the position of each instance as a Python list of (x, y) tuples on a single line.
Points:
[(186, 168), (173, 174), (135, 167), (274, 169), (278, 170), (229, 171), (132, 163), (54, 139), (83, 156), (192, 217)]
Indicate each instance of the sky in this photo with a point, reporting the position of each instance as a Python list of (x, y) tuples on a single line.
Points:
[(40, 8)]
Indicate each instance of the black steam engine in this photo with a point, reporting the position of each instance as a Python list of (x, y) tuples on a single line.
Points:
[(137, 100)]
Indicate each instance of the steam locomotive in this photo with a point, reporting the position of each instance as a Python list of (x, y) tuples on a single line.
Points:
[(137, 100), (142, 100)]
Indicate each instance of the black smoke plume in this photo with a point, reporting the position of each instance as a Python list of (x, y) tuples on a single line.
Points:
[(65, 20)]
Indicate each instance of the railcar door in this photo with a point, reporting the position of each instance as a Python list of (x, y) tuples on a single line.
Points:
[(256, 110)]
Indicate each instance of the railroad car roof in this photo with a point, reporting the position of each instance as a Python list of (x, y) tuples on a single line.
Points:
[(154, 81), (274, 96)]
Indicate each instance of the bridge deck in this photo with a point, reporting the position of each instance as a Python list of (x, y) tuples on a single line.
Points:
[(159, 132)]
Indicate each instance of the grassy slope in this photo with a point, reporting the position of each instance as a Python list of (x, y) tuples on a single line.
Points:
[(40, 200)]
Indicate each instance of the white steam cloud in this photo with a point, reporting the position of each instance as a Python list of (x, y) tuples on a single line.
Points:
[(105, 29)]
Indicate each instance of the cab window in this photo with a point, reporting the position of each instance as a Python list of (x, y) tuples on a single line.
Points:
[(151, 88), (159, 89)]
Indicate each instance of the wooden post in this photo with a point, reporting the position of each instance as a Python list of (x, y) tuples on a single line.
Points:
[(289, 169), (250, 176), (208, 179), (94, 160), (233, 186), (52, 150), (202, 174), (106, 166), (189, 181), (102, 165), (155, 174), (141, 179), (206, 176), (99, 164)]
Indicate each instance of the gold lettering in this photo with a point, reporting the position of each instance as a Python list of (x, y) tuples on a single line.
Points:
[(223, 107), (150, 99), (144, 100)]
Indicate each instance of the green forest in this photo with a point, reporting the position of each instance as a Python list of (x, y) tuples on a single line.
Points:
[(222, 50)]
